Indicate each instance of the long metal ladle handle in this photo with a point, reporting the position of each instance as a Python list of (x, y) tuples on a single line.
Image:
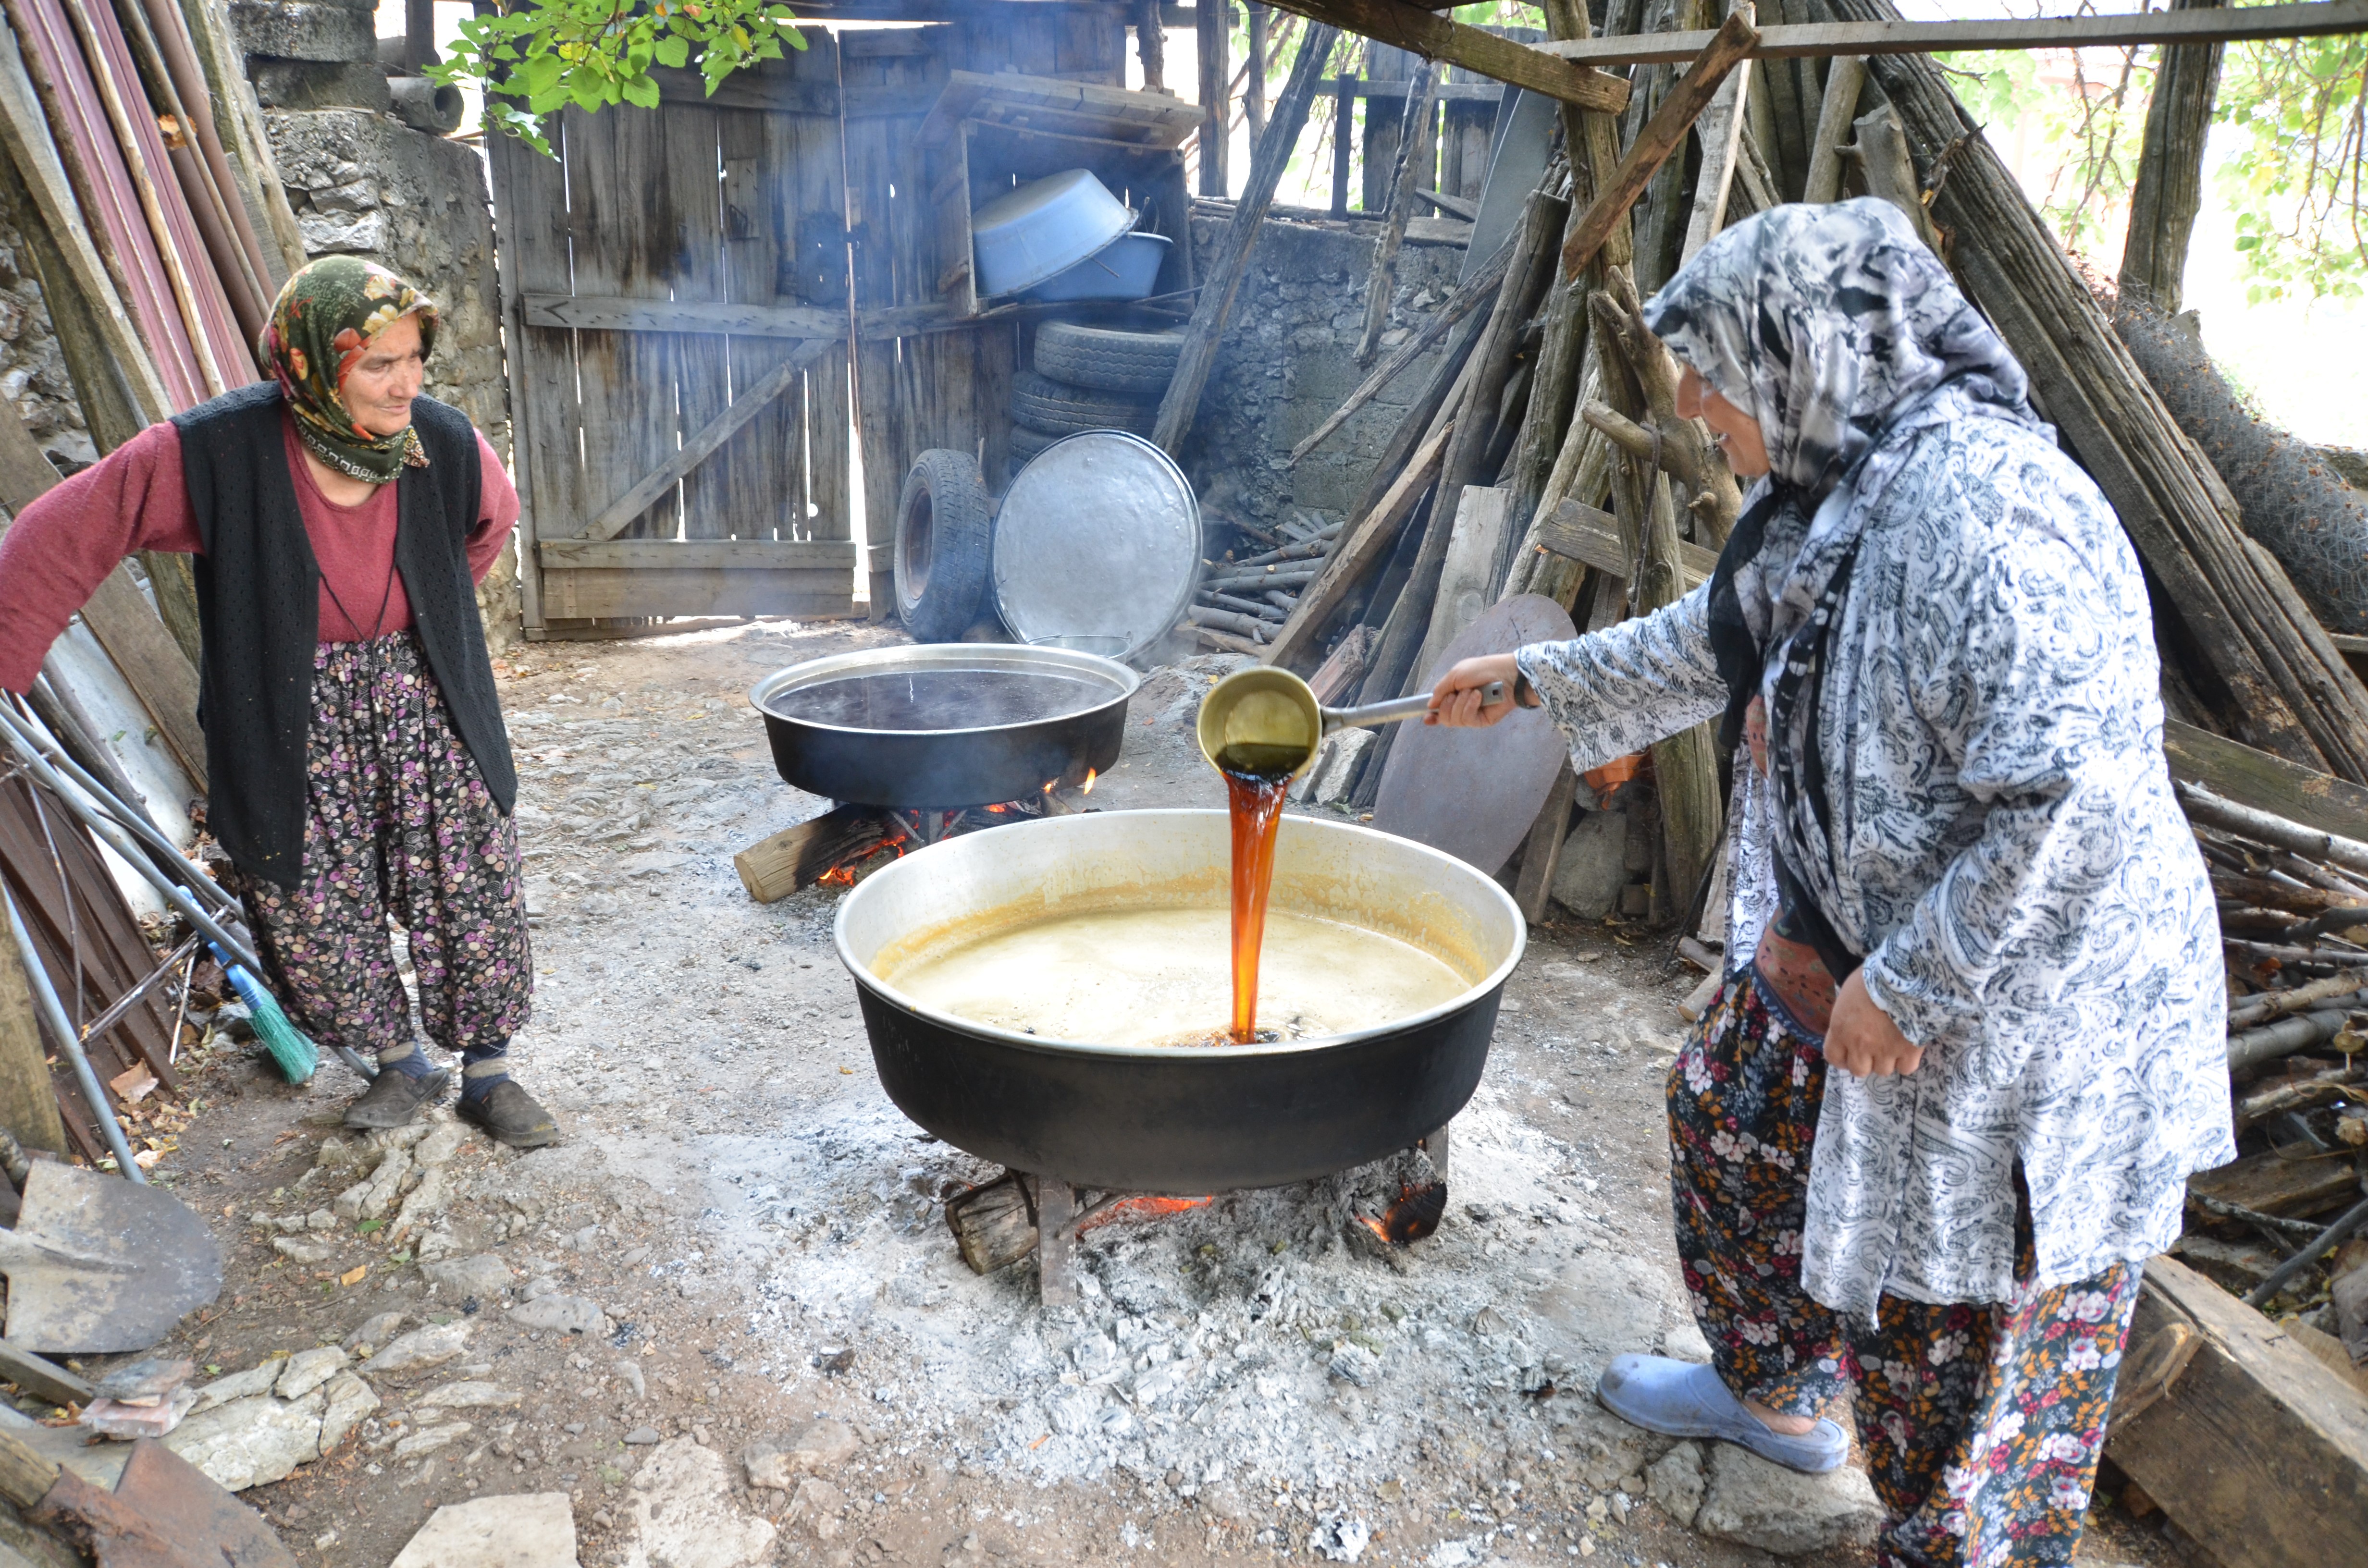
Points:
[(1400, 708)]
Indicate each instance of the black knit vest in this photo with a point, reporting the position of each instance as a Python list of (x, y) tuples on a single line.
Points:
[(259, 608)]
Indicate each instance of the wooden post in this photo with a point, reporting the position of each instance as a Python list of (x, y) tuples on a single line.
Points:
[(1414, 143), (1209, 23), (1542, 856), (1344, 130), (1844, 80), (419, 33), (1882, 158), (1150, 46), (1254, 83), (1198, 353), (1721, 131), (29, 1105), (2170, 185)]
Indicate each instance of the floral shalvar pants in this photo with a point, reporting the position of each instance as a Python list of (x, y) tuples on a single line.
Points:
[(1980, 1424), (398, 824)]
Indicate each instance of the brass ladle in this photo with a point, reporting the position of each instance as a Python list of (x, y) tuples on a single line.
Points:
[(1273, 714)]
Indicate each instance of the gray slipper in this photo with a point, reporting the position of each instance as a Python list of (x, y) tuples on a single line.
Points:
[(1685, 1399), (393, 1098)]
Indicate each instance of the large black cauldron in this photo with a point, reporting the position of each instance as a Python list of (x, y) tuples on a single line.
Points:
[(944, 724), (1180, 1120)]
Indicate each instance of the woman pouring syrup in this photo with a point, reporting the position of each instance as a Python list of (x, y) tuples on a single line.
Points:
[(1969, 1040), (360, 769)]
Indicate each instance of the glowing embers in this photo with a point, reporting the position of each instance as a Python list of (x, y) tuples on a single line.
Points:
[(1412, 1215)]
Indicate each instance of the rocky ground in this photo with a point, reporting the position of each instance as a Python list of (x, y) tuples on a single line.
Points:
[(724, 1321)]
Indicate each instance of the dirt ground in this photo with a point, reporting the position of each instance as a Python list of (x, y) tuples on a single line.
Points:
[(753, 1238)]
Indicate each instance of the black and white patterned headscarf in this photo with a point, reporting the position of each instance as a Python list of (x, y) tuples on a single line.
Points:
[(1842, 334)]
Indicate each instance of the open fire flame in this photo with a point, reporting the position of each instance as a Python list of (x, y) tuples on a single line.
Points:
[(1416, 1214), (848, 874)]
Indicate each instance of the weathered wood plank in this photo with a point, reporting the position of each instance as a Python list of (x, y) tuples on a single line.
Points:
[(701, 554), (696, 449), (1052, 103), (765, 483), (1580, 532), (1815, 38), (531, 209), (2256, 778), (702, 382), (621, 223), (1437, 38), (2253, 1450), (1364, 549), (599, 592)]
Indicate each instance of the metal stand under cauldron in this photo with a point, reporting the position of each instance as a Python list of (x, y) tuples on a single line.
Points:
[(999, 1222)]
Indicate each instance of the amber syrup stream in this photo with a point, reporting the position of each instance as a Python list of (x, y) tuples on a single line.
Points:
[(1255, 779)]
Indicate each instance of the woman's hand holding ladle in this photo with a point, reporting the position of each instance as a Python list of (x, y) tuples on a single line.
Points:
[(1455, 700)]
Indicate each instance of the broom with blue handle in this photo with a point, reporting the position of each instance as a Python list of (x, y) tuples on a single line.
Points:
[(290, 1052)]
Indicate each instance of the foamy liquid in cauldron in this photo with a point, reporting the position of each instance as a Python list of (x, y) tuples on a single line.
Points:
[(1157, 976)]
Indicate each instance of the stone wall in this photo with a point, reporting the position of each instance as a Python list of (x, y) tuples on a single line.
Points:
[(33, 377), (1285, 365)]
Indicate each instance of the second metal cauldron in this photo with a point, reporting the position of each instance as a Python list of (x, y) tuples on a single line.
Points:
[(944, 724), (1189, 1120)]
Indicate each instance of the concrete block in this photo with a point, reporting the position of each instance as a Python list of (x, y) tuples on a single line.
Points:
[(305, 29), (317, 83)]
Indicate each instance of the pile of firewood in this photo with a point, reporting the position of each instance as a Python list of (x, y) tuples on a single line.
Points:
[(1241, 603), (2286, 1225)]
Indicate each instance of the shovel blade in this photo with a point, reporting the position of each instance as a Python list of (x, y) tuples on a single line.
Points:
[(98, 1265)]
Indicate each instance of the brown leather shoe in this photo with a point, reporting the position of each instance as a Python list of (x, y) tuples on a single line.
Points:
[(393, 1098), (510, 1115)]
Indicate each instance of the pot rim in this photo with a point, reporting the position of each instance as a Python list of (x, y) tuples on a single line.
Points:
[(866, 980), (1021, 658)]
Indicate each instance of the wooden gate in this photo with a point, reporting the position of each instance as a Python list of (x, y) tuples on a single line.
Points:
[(701, 299)]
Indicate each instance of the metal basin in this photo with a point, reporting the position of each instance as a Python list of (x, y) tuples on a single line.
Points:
[(1191, 1118), (944, 724)]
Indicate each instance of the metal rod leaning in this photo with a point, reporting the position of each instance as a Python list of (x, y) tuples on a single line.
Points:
[(2328, 1240), (132, 822), (112, 835), (53, 1013)]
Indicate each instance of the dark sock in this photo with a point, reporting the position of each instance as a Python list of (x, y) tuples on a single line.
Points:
[(414, 1064), (482, 1066)]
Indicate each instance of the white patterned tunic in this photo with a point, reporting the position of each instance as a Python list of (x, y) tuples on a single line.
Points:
[(2009, 855)]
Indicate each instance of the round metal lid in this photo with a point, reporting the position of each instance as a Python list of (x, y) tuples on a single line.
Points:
[(1098, 538)]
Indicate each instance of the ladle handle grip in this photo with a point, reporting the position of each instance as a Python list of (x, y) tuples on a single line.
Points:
[(1401, 708)]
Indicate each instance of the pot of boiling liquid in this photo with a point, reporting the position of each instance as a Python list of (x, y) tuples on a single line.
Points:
[(1056, 996)]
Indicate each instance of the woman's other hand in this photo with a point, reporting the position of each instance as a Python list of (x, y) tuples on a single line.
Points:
[(1455, 700), (1862, 1040)]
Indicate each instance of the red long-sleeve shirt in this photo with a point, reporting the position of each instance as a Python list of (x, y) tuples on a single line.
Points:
[(56, 554)]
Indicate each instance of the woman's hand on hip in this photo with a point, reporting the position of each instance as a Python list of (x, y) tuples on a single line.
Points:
[(1862, 1040), (1455, 700)]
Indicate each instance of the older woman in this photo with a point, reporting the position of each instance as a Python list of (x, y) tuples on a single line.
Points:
[(1969, 1041), (359, 766)]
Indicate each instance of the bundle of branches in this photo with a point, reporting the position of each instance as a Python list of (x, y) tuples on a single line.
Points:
[(1241, 603)]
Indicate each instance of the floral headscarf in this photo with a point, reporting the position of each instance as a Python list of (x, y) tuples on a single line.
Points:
[(326, 316), (1842, 332)]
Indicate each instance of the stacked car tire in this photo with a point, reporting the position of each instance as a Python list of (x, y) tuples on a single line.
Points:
[(1089, 377)]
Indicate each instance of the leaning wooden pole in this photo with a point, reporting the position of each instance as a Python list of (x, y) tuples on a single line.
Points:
[(1663, 134), (2169, 189), (1414, 151), (1198, 353)]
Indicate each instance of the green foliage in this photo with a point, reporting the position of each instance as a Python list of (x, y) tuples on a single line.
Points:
[(2295, 108), (2094, 131), (2290, 155), (531, 60)]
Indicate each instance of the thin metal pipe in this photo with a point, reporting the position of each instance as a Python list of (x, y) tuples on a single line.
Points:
[(131, 820), (113, 837), (130, 999), (53, 1013)]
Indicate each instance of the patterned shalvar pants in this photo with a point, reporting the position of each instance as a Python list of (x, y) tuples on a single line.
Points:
[(1980, 1425), (398, 823)]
